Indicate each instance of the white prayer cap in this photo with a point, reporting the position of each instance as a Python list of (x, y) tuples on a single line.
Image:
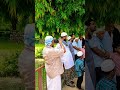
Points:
[(76, 38), (69, 37), (107, 65), (63, 34), (80, 53), (99, 30)]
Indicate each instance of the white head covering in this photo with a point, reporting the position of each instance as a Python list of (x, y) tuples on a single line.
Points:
[(29, 37), (69, 37), (76, 38), (99, 30), (80, 53), (48, 40), (107, 65), (63, 34)]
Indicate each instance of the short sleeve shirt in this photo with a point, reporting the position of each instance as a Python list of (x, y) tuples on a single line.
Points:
[(95, 42)]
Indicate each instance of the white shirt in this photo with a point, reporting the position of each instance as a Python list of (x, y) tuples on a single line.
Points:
[(67, 58), (77, 44), (95, 42), (107, 42), (80, 43)]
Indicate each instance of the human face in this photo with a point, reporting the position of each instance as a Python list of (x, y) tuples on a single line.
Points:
[(80, 37), (92, 26), (76, 40), (100, 34), (109, 27), (52, 43), (64, 38), (73, 37)]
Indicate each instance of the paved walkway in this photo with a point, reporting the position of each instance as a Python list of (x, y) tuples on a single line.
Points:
[(75, 88)]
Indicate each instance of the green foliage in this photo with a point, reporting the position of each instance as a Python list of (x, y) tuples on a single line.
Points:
[(103, 11), (55, 16), (38, 50), (9, 53), (17, 13), (9, 65)]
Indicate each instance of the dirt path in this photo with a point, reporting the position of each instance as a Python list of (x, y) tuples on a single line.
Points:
[(75, 80)]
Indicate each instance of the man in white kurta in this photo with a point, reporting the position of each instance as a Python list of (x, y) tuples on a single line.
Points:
[(68, 61), (77, 45)]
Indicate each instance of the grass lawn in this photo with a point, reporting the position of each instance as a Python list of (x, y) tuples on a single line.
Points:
[(8, 45)]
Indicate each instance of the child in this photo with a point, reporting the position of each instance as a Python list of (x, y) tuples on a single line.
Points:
[(79, 68), (116, 58), (107, 82)]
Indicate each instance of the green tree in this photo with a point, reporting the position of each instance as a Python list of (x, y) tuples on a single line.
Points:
[(14, 10), (55, 16), (103, 11)]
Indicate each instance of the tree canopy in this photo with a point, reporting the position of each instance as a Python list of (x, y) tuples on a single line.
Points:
[(103, 11), (16, 12), (55, 16)]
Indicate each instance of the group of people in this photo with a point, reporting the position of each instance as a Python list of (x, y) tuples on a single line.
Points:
[(102, 59), (64, 61)]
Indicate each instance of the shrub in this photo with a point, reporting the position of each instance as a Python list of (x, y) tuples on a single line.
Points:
[(38, 53), (9, 65), (38, 50)]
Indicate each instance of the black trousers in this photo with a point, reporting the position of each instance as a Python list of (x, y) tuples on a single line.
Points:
[(76, 57), (99, 74), (118, 82), (79, 82)]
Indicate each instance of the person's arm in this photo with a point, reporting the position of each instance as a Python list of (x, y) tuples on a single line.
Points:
[(94, 47), (100, 52), (61, 45), (76, 48)]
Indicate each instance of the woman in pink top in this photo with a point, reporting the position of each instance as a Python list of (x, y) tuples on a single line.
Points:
[(116, 58), (53, 64)]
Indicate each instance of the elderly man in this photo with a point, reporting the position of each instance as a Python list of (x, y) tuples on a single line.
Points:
[(68, 62), (99, 53), (53, 64), (26, 61)]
